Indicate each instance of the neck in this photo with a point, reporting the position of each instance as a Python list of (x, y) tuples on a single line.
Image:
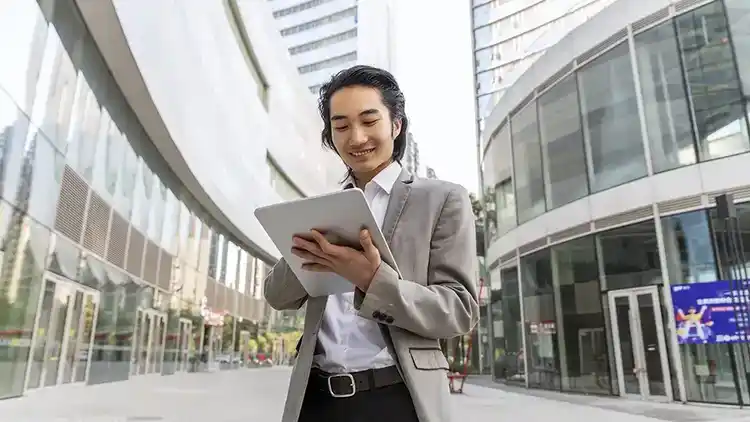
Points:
[(363, 178)]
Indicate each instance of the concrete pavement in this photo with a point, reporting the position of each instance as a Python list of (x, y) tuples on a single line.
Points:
[(258, 395)]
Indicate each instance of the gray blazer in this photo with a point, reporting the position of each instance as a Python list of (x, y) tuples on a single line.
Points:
[(429, 226)]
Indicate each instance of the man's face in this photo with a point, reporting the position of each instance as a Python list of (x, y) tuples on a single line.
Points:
[(362, 129)]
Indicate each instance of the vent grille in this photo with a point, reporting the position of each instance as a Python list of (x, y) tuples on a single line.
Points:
[(522, 104), (241, 305), (532, 246), (570, 233), (211, 293), (740, 193), (219, 296), (232, 301), (624, 218), (71, 207), (556, 77), (604, 45), (135, 252), (679, 205), (118, 240), (507, 257), (651, 20), (97, 225), (164, 279), (151, 262), (686, 4)]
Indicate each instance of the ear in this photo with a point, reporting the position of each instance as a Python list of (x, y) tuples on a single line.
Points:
[(396, 128)]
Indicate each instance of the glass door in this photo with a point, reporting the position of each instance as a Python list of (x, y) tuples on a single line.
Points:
[(63, 334), (640, 347), (150, 337), (183, 345)]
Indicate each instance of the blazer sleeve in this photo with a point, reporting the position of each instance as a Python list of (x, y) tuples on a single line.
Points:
[(282, 289), (446, 306)]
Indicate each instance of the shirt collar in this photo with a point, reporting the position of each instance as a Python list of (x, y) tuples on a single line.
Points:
[(385, 179)]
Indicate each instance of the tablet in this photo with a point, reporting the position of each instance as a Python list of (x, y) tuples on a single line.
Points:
[(339, 216)]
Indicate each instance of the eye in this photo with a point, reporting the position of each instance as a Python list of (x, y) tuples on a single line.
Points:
[(341, 128), (370, 123)]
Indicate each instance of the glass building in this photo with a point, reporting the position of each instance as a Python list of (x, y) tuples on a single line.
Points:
[(509, 35), (127, 184), (602, 164)]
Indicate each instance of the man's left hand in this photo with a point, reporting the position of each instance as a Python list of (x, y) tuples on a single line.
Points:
[(323, 256)]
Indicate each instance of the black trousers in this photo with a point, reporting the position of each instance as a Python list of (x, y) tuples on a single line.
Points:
[(390, 403)]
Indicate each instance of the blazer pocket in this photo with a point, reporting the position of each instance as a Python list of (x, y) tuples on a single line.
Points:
[(428, 359)]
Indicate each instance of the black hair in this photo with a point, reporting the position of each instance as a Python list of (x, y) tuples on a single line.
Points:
[(390, 94)]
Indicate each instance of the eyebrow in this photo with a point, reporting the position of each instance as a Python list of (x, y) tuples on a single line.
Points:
[(367, 112)]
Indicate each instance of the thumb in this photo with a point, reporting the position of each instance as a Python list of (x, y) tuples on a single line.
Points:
[(369, 249)]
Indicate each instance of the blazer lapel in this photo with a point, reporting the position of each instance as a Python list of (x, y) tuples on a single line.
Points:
[(396, 203)]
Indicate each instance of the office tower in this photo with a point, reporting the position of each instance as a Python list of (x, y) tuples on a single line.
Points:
[(326, 36), (511, 35), (411, 155)]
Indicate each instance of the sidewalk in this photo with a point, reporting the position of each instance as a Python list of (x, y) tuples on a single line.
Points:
[(258, 395), (673, 412)]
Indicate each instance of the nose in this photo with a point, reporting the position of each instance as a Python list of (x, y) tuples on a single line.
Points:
[(358, 135)]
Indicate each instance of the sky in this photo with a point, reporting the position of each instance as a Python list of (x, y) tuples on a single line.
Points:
[(434, 66)]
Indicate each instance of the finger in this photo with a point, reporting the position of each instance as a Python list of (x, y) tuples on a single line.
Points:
[(368, 248), (327, 247), (307, 256), (311, 247), (315, 267)]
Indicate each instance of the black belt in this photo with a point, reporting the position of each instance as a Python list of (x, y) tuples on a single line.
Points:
[(349, 384)]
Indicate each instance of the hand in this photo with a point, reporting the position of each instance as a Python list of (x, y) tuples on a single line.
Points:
[(322, 256)]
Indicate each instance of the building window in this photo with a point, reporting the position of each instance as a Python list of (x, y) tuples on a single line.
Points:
[(611, 124), (509, 359), (281, 183), (325, 20), (237, 23), (299, 8), (543, 362), (668, 122), (527, 164), (584, 360), (562, 144), (333, 61), (498, 179), (323, 42), (713, 82)]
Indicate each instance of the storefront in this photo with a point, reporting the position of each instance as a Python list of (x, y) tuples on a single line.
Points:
[(636, 311)]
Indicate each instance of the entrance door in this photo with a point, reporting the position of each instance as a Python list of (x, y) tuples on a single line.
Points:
[(184, 342), (150, 336), (640, 348), (63, 334)]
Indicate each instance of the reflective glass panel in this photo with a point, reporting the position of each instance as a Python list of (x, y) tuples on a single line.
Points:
[(713, 82), (611, 124), (542, 352), (584, 359), (562, 144), (670, 131), (527, 164)]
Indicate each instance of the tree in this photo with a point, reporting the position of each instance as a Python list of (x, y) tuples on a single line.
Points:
[(476, 207)]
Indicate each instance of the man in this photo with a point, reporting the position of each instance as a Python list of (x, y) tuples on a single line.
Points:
[(373, 354)]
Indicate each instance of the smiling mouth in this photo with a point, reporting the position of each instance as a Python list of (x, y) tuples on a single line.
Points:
[(362, 153)]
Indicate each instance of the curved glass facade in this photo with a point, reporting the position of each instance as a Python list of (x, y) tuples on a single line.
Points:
[(110, 268), (589, 307)]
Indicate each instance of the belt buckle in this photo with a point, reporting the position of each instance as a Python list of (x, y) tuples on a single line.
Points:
[(342, 395)]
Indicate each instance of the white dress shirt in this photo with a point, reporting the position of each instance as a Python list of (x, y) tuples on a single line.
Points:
[(352, 343)]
